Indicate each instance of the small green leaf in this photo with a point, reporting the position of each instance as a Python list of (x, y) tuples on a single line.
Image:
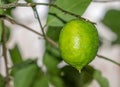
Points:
[(1, 11), (51, 63), (25, 76), (15, 55), (58, 18), (53, 33), (56, 81), (21, 65), (53, 51), (112, 20), (7, 33), (2, 81), (103, 82), (9, 11), (40, 80)]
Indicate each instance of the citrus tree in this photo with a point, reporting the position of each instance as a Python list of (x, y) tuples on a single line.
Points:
[(69, 37)]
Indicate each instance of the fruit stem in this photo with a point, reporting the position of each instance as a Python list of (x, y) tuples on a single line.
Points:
[(78, 69)]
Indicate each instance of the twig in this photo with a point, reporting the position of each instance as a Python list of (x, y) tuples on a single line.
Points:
[(14, 4), (108, 59), (42, 28), (28, 28), (52, 42), (40, 23), (70, 13), (5, 51), (10, 19)]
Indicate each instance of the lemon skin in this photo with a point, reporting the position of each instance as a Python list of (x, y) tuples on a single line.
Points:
[(78, 43)]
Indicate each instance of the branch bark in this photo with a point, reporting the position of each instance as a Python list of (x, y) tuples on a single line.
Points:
[(5, 52)]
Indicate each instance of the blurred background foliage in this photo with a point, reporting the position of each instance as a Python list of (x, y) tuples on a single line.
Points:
[(111, 20)]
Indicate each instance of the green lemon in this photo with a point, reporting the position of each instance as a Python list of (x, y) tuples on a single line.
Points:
[(78, 42)]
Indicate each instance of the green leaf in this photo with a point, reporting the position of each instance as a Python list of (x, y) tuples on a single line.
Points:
[(7, 32), (25, 76), (28, 74), (53, 33), (51, 63), (52, 57), (2, 81), (1, 12), (21, 65), (0, 31), (103, 82), (58, 18), (9, 11), (56, 81), (86, 76), (15, 55), (29, 1), (72, 78), (40, 80), (112, 20), (53, 51), (0, 1), (10, 1)]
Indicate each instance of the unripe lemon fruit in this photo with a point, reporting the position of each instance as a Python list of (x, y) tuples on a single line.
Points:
[(78, 42)]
